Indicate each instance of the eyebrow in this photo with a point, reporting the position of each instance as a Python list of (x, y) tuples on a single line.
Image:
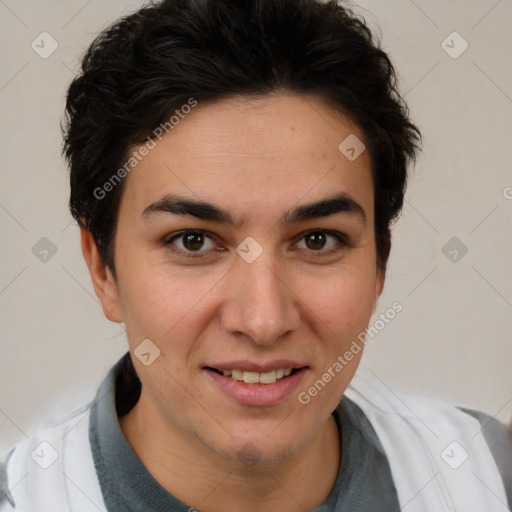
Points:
[(177, 205)]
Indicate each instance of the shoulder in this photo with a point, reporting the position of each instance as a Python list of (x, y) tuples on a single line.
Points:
[(499, 440), (44, 466), (423, 437)]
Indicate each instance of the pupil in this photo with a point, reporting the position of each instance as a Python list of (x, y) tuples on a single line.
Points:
[(317, 239), (193, 241)]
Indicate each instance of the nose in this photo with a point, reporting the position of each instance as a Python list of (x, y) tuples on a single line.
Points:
[(261, 303)]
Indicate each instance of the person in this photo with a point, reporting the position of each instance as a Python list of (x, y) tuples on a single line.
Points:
[(235, 170)]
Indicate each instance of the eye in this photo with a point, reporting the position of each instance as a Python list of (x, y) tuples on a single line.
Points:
[(323, 241), (197, 243), (192, 242)]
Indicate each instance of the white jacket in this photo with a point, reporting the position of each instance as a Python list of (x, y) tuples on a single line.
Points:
[(53, 471), (439, 459)]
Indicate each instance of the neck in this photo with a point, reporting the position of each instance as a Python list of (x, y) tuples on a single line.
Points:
[(201, 478)]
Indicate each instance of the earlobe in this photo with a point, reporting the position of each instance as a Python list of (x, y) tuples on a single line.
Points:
[(379, 286), (102, 279)]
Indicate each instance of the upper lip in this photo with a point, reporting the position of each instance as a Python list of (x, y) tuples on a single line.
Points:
[(249, 366)]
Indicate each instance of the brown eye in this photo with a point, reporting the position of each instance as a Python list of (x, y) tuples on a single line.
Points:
[(316, 240), (323, 242), (193, 241), (190, 242)]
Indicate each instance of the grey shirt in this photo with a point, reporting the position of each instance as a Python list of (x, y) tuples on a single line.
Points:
[(364, 482)]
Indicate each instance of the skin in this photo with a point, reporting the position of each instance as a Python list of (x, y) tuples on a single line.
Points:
[(256, 158)]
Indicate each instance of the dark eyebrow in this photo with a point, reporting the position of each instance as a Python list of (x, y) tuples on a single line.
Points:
[(178, 205), (342, 203)]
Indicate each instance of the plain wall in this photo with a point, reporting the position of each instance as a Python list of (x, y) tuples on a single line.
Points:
[(453, 339)]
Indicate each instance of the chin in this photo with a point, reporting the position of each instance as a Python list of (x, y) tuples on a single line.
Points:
[(260, 451)]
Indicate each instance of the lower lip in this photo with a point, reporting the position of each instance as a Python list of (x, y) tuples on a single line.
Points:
[(258, 394)]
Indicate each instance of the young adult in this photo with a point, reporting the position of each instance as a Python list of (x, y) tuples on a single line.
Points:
[(235, 170)]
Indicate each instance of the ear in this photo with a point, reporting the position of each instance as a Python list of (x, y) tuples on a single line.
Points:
[(380, 278), (102, 278), (379, 282)]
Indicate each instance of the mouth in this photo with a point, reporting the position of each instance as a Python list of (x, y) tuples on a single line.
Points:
[(257, 385), (252, 377)]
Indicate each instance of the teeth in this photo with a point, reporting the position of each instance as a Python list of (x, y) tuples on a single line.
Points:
[(268, 377), (237, 374), (258, 378), (251, 377)]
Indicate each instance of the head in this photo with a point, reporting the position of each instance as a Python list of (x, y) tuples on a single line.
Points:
[(226, 120)]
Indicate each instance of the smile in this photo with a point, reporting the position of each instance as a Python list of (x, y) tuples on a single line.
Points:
[(269, 386), (256, 377)]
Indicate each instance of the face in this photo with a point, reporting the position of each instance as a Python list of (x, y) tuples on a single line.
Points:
[(245, 248)]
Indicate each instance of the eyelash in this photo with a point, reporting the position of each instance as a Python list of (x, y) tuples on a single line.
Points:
[(340, 237)]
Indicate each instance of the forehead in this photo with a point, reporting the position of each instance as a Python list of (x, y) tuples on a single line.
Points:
[(254, 155)]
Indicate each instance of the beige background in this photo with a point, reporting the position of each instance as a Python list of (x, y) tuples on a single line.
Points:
[(453, 338)]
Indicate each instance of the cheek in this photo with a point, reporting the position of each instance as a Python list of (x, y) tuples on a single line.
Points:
[(343, 304), (162, 302), (353, 307), (341, 311)]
